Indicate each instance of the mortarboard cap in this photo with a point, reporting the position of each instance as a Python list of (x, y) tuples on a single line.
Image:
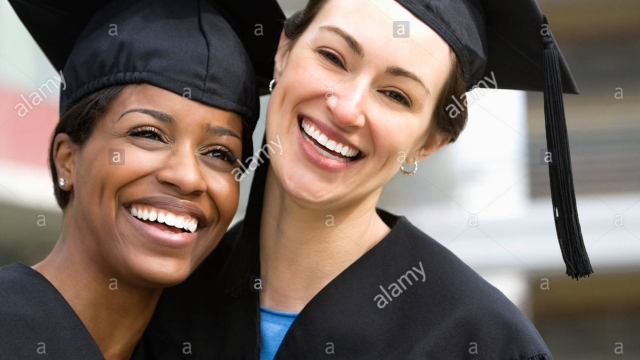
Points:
[(511, 40), (197, 47)]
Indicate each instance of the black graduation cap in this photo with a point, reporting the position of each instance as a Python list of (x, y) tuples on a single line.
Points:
[(512, 40), (204, 49)]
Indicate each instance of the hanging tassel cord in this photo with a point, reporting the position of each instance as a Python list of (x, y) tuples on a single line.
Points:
[(565, 210)]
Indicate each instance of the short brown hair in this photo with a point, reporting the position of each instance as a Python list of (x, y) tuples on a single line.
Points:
[(454, 88)]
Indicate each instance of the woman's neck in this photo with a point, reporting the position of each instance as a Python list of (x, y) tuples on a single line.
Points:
[(114, 312), (302, 249)]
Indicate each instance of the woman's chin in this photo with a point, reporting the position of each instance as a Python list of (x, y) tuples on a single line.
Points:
[(309, 185), (311, 193), (159, 272)]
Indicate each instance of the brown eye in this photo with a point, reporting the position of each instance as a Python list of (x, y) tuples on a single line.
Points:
[(397, 97), (221, 153), (331, 57), (148, 132)]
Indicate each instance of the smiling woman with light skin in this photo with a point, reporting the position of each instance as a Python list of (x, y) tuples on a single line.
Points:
[(316, 270), (142, 163)]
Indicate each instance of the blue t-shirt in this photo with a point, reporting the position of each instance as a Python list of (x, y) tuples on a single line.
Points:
[(273, 327)]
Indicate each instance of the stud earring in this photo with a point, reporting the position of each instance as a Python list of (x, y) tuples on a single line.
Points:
[(62, 182), (272, 84), (409, 173)]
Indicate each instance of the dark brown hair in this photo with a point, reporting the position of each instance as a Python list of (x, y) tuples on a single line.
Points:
[(78, 122), (454, 88)]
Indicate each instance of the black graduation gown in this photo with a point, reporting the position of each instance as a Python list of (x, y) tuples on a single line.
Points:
[(36, 322), (407, 298)]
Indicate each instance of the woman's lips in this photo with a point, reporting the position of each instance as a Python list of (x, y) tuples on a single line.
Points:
[(161, 233), (169, 204), (155, 215), (327, 144), (330, 134), (321, 156)]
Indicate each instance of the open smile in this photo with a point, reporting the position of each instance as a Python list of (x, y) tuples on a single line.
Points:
[(165, 222), (324, 148)]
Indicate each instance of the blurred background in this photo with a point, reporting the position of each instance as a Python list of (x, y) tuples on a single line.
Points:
[(486, 197)]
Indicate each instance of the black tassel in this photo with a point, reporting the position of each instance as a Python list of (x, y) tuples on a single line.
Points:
[(565, 211), (244, 261)]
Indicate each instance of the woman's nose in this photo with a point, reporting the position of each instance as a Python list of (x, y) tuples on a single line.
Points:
[(346, 102), (182, 171)]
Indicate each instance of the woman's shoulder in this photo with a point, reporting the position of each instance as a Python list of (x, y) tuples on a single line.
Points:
[(457, 307), (37, 320), (21, 287), (442, 267)]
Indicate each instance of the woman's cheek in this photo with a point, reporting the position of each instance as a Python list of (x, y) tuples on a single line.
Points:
[(135, 157), (225, 191)]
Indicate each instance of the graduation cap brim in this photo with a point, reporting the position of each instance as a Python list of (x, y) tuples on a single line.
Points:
[(514, 60), (55, 25), (502, 37)]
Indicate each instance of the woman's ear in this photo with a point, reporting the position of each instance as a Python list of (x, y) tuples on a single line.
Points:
[(435, 141), (64, 159), (282, 55)]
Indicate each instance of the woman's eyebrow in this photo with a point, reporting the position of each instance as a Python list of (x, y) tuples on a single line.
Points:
[(353, 44), (220, 131), (159, 115), (168, 119), (398, 71)]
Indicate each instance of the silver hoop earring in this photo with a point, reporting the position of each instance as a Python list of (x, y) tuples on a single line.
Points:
[(272, 84), (409, 173), (62, 182)]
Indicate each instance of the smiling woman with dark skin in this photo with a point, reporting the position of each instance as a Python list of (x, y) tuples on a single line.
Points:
[(178, 160), (142, 162)]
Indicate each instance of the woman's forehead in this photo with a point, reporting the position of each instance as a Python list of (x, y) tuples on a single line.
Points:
[(153, 97), (387, 18), (388, 34)]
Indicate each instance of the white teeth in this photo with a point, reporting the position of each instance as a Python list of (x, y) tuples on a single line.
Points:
[(324, 152), (146, 212), (323, 139), (330, 144)]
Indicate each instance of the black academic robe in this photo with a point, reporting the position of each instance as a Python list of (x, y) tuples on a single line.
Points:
[(406, 298), (36, 322)]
